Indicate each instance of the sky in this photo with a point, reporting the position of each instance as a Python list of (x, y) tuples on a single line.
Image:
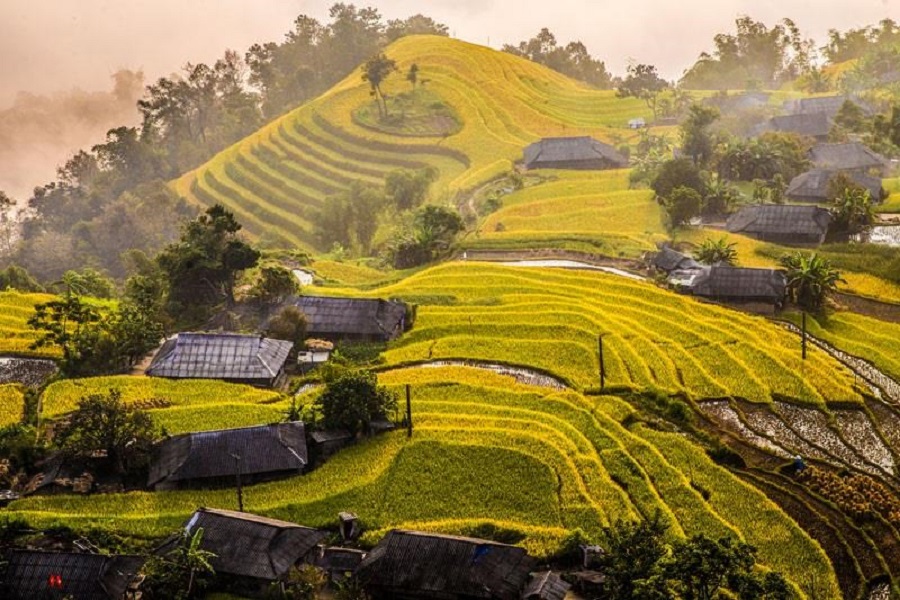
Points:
[(51, 45)]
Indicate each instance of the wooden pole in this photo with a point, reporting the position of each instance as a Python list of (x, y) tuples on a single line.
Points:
[(240, 489), (602, 366), (803, 337), (408, 413)]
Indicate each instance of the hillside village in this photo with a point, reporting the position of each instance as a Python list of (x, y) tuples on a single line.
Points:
[(466, 323)]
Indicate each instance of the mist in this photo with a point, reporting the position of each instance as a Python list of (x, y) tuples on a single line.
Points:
[(48, 46)]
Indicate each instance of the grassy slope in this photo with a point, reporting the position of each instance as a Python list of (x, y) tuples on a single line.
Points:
[(15, 310), (12, 403), (551, 460), (273, 178)]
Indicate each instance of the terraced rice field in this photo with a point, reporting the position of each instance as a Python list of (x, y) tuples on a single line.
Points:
[(275, 179), (12, 403), (595, 206), (15, 335), (492, 456), (549, 320), (178, 406), (870, 339)]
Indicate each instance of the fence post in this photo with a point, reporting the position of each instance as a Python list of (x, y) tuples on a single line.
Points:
[(408, 413)]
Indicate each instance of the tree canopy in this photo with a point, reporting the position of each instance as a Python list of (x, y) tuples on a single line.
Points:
[(573, 59)]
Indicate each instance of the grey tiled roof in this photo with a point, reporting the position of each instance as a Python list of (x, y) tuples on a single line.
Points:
[(411, 561), (810, 124), (669, 259), (247, 545), (262, 449), (82, 576), (851, 155), (814, 184), (546, 586), (369, 317), (828, 105), (220, 356), (741, 284), (571, 150), (780, 219)]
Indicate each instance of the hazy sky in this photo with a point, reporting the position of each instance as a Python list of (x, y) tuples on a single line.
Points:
[(48, 45)]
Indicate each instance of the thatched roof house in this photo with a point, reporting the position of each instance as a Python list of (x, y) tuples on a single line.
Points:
[(741, 285), (812, 186), (212, 458), (356, 319), (251, 550), (412, 565), (814, 125), (33, 575), (579, 153), (851, 156), (230, 357), (782, 223)]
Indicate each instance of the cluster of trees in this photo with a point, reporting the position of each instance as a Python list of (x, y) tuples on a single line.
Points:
[(755, 56), (855, 43), (639, 563), (421, 234), (573, 59), (113, 197)]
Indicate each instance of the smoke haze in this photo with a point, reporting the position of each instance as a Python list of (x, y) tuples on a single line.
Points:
[(49, 45)]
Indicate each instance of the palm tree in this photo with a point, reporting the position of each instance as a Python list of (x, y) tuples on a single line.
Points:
[(717, 252), (810, 280)]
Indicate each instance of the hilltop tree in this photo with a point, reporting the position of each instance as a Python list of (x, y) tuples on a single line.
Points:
[(412, 75), (375, 71), (103, 422), (202, 266), (643, 82), (811, 280), (414, 25), (573, 59)]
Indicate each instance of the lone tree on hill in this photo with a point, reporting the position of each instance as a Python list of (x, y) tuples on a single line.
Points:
[(412, 75), (375, 71), (811, 279), (643, 82)]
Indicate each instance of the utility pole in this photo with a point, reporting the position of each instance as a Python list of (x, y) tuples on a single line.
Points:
[(803, 335), (408, 413), (240, 489), (602, 366)]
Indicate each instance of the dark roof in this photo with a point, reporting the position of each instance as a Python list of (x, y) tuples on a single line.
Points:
[(780, 219), (669, 259), (411, 561), (828, 105), (251, 546), (220, 356), (330, 435), (82, 576), (571, 149), (352, 316), (851, 155), (814, 184), (263, 449), (741, 284), (809, 124), (546, 586)]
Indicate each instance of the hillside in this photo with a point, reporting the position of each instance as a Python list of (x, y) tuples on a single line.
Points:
[(275, 179)]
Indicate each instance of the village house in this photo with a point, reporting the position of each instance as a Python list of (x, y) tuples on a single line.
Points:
[(412, 565), (850, 156), (814, 125), (782, 223), (668, 260), (250, 552), (760, 290), (33, 575), (353, 319), (577, 153), (812, 186), (232, 357), (214, 458), (829, 106), (339, 563)]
